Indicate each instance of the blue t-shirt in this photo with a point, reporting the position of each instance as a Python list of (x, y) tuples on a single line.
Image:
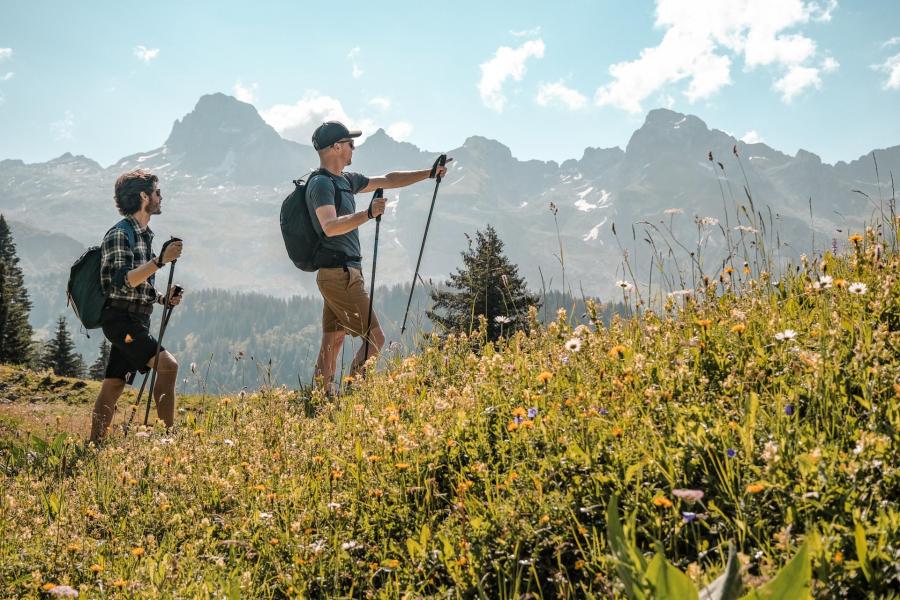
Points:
[(320, 192)]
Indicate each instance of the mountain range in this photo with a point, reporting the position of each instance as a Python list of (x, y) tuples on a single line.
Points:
[(224, 173)]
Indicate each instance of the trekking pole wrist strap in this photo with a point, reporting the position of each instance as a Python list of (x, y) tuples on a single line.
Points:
[(439, 162), (369, 212)]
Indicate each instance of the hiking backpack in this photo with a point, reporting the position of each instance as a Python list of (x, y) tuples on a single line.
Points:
[(84, 292), (301, 240)]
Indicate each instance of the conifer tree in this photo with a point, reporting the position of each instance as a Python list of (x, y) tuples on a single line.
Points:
[(60, 355), (15, 330), (487, 284), (98, 369)]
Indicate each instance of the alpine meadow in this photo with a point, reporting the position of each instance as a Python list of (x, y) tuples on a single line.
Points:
[(323, 340)]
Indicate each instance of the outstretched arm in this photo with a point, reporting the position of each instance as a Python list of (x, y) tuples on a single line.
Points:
[(398, 179)]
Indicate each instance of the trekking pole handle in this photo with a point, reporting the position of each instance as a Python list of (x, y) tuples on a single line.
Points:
[(379, 193), (440, 162)]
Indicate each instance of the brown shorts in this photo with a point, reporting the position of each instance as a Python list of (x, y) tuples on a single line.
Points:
[(346, 301)]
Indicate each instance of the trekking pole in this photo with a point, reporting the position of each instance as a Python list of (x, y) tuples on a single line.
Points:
[(441, 161), (162, 329), (137, 400), (379, 193)]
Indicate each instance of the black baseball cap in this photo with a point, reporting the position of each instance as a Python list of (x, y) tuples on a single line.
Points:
[(331, 132)]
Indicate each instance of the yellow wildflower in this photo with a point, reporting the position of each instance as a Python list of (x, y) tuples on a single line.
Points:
[(617, 432), (400, 466), (391, 563), (617, 351), (544, 376), (95, 568), (120, 583), (512, 426), (755, 488), (579, 564), (545, 519), (704, 323), (838, 557), (48, 586), (137, 551), (274, 541), (519, 412), (318, 459), (738, 328), (662, 502), (855, 238)]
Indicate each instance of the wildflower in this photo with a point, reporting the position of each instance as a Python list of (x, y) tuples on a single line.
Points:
[(746, 229), (512, 425), (855, 238), (689, 517), (519, 412), (825, 281), (544, 519), (755, 488), (265, 516), (789, 410), (838, 557), (787, 334), (352, 544), (688, 495), (673, 211), (48, 586), (573, 345), (680, 293), (840, 283), (738, 328), (708, 221), (617, 432), (333, 505), (95, 568), (662, 501), (274, 541), (729, 270), (401, 466), (502, 319), (770, 452), (603, 412), (579, 564), (731, 453), (858, 288), (544, 376), (532, 412), (464, 486), (63, 591), (137, 551), (391, 563), (703, 323), (228, 442), (617, 351), (120, 583), (625, 285)]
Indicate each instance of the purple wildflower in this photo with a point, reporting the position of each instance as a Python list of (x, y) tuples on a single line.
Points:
[(731, 453), (532, 412), (789, 410), (604, 412), (518, 420), (689, 517)]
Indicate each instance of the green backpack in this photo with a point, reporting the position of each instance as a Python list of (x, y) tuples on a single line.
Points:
[(84, 292)]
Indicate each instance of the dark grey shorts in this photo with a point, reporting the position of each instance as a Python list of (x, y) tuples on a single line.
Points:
[(132, 344)]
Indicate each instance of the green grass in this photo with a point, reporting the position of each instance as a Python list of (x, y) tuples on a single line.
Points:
[(487, 470)]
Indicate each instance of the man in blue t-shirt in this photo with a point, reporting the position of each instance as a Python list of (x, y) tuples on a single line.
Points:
[(346, 306)]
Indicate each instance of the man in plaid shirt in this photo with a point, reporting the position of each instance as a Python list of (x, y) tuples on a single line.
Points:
[(127, 276)]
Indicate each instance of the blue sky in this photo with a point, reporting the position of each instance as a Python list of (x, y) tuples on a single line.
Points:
[(106, 79)]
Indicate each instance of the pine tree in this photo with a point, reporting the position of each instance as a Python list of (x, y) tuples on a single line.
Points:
[(487, 285), (98, 369), (15, 330), (60, 355)]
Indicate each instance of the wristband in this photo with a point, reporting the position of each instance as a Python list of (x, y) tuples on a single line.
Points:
[(158, 262)]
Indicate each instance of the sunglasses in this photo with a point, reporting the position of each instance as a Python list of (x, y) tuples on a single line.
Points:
[(158, 193), (352, 145)]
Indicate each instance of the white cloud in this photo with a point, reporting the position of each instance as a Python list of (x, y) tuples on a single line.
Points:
[(796, 80), (381, 102), (829, 65), (357, 71), (146, 54), (297, 121), (534, 31), (400, 131), (891, 66), (703, 37), (64, 129), (6, 53), (7, 77), (506, 63), (246, 93), (559, 93), (752, 137), (891, 42)]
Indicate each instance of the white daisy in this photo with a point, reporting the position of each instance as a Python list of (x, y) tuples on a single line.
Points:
[(858, 288), (502, 319), (573, 345), (787, 334), (673, 211), (625, 285)]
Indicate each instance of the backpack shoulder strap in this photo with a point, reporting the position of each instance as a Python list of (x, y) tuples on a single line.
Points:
[(126, 226), (337, 192)]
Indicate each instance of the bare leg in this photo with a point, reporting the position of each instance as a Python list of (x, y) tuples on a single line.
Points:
[(326, 363), (164, 390), (376, 342), (105, 407)]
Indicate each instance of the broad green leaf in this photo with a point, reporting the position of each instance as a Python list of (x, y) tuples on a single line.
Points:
[(791, 582), (728, 585), (668, 582), (625, 564)]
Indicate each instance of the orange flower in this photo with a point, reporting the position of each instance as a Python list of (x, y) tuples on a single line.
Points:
[(704, 323), (755, 488), (838, 557), (617, 432), (401, 466), (729, 270), (137, 551), (95, 568), (519, 412), (738, 328), (512, 426), (617, 351), (274, 541), (545, 519), (579, 564), (391, 563), (662, 502), (48, 586), (544, 376), (855, 238), (120, 583)]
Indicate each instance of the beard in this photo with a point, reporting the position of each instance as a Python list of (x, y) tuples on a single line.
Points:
[(155, 208)]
